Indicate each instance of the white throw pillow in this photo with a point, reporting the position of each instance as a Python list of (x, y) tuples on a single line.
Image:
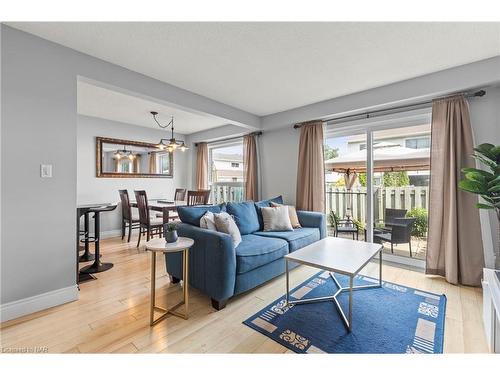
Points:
[(226, 224), (207, 221), (276, 219)]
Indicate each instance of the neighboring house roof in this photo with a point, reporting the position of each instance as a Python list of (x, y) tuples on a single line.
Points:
[(236, 158), (226, 166), (406, 132)]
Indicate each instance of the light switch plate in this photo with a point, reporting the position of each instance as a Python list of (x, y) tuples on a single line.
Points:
[(46, 170)]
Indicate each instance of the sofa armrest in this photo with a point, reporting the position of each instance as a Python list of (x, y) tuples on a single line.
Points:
[(212, 261), (313, 220)]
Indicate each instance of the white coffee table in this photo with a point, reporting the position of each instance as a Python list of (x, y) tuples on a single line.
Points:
[(347, 257), (158, 245)]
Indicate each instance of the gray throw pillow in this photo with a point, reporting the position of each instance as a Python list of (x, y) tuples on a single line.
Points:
[(226, 224), (276, 219)]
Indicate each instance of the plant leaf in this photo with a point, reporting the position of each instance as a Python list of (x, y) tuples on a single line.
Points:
[(490, 163), (486, 174), (494, 188), (484, 206), (495, 180), (486, 150), (475, 176), (472, 187)]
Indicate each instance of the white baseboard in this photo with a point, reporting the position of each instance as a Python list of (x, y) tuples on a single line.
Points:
[(407, 261), (25, 306), (112, 233)]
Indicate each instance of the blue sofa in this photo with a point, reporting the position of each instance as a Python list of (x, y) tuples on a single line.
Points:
[(219, 269)]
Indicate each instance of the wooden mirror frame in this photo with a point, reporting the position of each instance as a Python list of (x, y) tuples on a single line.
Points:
[(100, 173)]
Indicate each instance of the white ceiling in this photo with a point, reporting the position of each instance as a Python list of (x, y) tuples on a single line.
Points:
[(112, 105), (265, 68)]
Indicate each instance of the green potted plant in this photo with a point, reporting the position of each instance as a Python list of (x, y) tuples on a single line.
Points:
[(485, 183), (170, 232)]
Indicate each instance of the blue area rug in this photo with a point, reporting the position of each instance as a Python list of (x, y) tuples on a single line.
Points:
[(391, 319)]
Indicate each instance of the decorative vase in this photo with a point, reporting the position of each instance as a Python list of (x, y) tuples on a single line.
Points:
[(171, 237)]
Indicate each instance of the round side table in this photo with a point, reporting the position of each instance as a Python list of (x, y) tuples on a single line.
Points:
[(159, 245)]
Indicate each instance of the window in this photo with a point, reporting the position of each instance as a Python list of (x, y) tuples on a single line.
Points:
[(226, 172), (164, 163), (125, 166), (416, 143), (362, 146)]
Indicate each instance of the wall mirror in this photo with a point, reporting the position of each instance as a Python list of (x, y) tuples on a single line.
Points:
[(122, 158)]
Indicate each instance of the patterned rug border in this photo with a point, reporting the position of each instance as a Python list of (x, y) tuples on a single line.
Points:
[(440, 344)]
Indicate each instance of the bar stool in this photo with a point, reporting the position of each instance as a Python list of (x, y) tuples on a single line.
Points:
[(97, 266)]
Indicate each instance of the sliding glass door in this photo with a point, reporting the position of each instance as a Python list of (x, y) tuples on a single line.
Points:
[(377, 184), (345, 177), (401, 187)]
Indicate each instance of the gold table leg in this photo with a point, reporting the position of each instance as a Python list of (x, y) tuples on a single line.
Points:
[(185, 290)]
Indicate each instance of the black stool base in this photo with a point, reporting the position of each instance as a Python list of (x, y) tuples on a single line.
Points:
[(86, 257), (96, 267), (84, 277)]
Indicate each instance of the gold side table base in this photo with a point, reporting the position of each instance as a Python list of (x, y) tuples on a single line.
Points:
[(185, 290)]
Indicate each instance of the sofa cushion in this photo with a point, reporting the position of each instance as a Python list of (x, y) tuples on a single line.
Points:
[(193, 214), (245, 215), (255, 251), (296, 239), (276, 219), (225, 223), (266, 203)]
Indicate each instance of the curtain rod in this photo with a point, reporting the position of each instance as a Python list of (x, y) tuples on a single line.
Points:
[(386, 111), (231, 138)]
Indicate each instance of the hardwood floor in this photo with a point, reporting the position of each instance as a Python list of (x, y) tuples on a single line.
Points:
[(111, 315)]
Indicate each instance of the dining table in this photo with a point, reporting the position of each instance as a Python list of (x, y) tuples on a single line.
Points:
[(166, 207)]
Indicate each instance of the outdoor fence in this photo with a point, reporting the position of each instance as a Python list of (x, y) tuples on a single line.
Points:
[(407, 197), (226, 192), (338, 199)]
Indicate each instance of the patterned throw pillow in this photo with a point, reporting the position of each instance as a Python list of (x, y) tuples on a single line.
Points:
[(226, 224), (207, 221), (292, 213), (276, 219)]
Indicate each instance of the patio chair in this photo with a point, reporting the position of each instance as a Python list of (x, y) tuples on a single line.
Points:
[(399, 233), (344, 226), (393, 213)]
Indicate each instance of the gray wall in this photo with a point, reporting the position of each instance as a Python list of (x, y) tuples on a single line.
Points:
[(91, 189), (39, 125), (485, 120)]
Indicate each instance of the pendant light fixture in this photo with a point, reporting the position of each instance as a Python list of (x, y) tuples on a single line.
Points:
[(171, 144), (118, 154)]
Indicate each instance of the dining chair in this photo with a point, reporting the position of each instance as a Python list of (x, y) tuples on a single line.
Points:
[(197, 197), (180, 195), (129, 218), (148, 224)]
